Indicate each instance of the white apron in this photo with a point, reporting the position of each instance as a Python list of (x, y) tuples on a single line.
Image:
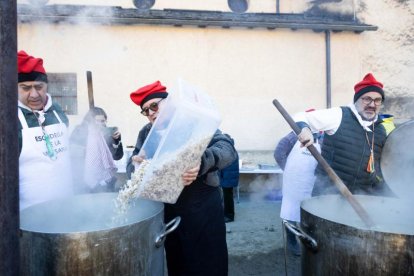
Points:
[(298, 181), (40, 177)]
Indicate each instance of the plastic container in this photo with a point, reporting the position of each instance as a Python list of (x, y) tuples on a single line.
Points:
[(178, 138)]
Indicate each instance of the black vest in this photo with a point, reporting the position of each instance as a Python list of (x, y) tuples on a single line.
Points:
[(348, 151)]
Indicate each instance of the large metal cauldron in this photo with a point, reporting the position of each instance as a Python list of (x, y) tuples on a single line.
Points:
[(336, 242), (83, 235)]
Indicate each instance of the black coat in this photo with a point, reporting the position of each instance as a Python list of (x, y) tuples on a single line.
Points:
[(198, 245), (229, 176)]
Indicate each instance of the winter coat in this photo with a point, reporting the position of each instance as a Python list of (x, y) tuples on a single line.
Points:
[(229, 176), (283, 149), (198, 245)]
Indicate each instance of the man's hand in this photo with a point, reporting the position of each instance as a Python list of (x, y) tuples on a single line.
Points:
[(116, 135), (190, 175), (305, 137), (137, 159)]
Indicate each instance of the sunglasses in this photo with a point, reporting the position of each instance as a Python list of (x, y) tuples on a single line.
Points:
[(153, 106)]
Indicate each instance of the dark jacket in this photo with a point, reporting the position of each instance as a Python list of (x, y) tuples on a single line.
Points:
[(283, 149), (198, 245), (229, 176), (347, 152), (285, 146), (142, 135)]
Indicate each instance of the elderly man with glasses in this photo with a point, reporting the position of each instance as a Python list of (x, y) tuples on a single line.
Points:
[(353, 142)]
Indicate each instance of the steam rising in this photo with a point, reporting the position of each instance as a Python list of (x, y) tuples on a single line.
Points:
[(390, 215), (343, 7), (84, 213), (267, 187), (84, 14)]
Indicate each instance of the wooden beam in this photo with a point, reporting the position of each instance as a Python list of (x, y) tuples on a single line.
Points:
[(119, 16)]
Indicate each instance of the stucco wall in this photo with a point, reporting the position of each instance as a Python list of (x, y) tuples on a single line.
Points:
[(242, 69), (390, 52)]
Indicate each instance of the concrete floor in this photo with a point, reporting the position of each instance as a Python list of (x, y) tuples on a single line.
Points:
[(255, 239)]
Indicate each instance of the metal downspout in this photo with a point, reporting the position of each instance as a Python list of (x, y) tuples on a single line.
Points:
[(328, 68), (277, 6)]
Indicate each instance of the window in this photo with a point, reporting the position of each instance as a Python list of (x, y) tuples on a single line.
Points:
[(63, 89)]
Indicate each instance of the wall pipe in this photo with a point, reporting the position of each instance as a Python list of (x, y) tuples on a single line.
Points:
[(328, 68), (9, 153)]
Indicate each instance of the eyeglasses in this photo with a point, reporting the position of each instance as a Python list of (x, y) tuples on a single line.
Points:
[(101, 121), (369, 100), (153, 106)]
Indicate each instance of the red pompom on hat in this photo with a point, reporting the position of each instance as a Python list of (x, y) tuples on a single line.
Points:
[(368, 84), (148, 92), (30, 68)]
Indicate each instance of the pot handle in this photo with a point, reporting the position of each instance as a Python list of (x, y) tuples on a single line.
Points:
[(171, 226), (307, 240)]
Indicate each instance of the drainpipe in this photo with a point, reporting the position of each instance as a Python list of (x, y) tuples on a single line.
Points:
[(277, 6), (328, 68), (9, 154)]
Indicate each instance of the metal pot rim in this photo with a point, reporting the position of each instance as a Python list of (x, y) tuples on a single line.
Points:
[(85, 213), (390, 215)]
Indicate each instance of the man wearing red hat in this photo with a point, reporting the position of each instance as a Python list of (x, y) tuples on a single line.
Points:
[(198, 245), (353, 141), (44, 164)]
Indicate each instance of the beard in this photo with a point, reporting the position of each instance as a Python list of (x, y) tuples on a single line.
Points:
[(367, 116)]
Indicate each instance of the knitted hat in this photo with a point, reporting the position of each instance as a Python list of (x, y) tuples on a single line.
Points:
[(368, 84), (148, 92), (30, 68)]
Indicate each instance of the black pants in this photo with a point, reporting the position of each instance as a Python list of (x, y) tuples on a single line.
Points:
[(198, 246), (228, 202)]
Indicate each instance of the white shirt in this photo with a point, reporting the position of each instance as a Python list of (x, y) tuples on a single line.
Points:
[(329, 120)]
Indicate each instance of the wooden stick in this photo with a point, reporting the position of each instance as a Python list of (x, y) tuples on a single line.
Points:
[(90, 89), (331, 173)]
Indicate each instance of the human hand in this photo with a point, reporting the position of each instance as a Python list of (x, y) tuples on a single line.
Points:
[(305, 137), (137, 159), (190, 175), (116, 135)]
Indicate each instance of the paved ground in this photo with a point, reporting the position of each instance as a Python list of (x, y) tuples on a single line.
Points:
[(255, 239)]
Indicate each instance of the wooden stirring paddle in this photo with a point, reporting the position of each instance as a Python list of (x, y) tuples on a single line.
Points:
[(362, 213)]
